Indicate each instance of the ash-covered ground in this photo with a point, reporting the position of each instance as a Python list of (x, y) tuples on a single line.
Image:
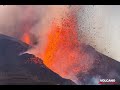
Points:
[(17, 68), (104, 67), (21, 69)]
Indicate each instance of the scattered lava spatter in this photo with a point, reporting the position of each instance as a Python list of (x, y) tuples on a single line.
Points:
[(61, 53)]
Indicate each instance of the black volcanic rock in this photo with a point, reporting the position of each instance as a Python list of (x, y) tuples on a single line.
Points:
[(40, 71), (10, 48), (17, 68), (21, 69), (104, 67)]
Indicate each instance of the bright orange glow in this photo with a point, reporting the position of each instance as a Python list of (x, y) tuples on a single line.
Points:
[(62, 52), (26, 38), (62, 49)]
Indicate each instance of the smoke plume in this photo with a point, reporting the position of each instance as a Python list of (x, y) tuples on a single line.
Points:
[(52, 31)]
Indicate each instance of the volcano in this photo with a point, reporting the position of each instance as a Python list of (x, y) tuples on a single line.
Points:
[(24, 69), (21, 68)]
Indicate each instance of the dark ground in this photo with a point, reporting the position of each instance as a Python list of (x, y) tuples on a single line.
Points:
[(20, 69)]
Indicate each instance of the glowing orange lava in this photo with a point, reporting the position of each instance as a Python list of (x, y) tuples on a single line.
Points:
[(62, 50), (26, 38)]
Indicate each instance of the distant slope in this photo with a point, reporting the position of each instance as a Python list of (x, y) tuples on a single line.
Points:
[(104, 67)]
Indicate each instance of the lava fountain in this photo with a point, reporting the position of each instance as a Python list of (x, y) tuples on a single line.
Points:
[(62, 51)]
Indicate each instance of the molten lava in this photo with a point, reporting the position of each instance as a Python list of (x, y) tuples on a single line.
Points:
[(61, 53), (26, 38)]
